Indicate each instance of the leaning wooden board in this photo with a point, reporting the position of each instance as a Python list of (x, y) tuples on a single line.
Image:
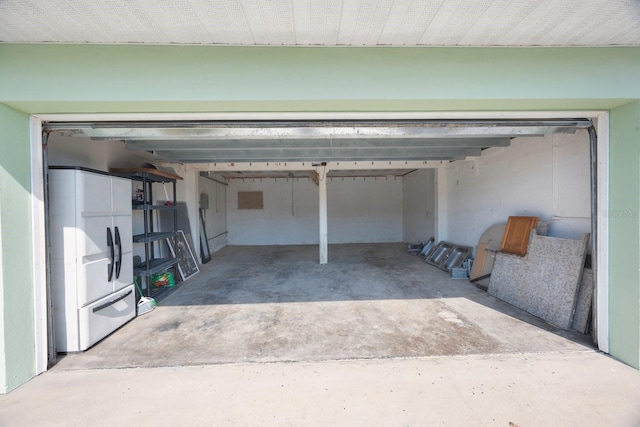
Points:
[(479, 264), (488, 244), (516, 235)]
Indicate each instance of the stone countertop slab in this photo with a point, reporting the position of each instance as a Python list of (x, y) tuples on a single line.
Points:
[(545, 281)]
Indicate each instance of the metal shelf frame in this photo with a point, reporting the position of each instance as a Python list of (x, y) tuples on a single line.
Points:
[(152, 264)]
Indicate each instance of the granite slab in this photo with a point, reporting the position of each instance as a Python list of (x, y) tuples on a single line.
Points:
[(545, 281)]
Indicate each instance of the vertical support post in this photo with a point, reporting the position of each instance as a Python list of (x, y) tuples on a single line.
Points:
[(441, 203), (322, 195), (593, 153)]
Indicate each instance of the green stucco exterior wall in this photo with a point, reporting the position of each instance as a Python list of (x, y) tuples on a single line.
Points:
[(89, 78), (137, 79), (624, 238), (16, 285)]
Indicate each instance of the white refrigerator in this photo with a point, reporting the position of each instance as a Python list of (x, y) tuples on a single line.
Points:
[(91, 255)]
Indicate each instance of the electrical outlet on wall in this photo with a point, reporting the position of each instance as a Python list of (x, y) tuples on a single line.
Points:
[(204, 201)]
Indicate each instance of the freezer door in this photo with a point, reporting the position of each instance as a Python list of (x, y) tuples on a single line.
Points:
[(96, 259), (104, 316), (104, 236), (94, 232)]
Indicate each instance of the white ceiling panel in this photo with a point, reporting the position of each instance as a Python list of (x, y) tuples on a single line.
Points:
[(324, 22)]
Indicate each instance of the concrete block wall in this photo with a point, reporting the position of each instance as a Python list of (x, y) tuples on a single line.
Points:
[(546, 177), (359, 210), (284, 220), (365, 210)]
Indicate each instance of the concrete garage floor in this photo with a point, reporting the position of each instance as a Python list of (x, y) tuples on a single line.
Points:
[(276, 303), (375, 338)]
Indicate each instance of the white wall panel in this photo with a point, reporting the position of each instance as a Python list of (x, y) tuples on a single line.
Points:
[(216, 214), (419, 205), (365, 210)]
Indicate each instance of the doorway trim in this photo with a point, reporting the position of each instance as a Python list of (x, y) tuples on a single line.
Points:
[(600, 119)]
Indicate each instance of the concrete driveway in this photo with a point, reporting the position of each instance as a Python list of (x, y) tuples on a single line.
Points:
[(266, 336), (581, 388)]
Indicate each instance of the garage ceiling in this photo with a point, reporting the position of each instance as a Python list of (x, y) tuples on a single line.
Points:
[(212, 142), (324, 22)]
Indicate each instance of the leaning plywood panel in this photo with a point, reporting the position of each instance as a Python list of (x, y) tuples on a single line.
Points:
[(545, 281), (481, 261)]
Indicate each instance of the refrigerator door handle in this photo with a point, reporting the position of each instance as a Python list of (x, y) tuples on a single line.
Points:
[(111, 253), (119, 261), (110, 303)]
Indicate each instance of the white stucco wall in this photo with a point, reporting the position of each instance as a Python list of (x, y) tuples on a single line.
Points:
[(360, 210), (3, 365), (419, 205), (546, 177)]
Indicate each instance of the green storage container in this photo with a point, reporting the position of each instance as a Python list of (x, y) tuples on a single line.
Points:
[(163, 280)]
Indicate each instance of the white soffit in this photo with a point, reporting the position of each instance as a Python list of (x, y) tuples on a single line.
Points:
[(324, 22)]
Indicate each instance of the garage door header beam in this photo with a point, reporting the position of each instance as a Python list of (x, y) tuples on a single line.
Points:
[(388, 129), (312, 166), (315, 141)]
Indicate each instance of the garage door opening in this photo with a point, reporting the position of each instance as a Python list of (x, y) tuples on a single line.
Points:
[(316, 146), (384, 182)]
